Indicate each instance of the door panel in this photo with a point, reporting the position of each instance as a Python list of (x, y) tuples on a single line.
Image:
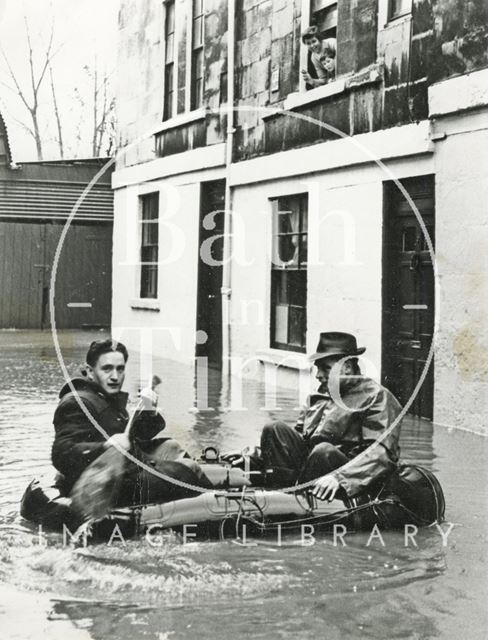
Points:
[(408, 292), (84, 276), (21, 274)]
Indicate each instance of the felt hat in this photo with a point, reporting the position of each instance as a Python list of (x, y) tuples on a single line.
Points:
[(336, 343)]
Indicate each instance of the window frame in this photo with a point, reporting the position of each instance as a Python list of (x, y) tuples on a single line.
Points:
[(308, 20), (170, 65), (149, 269), (402, 14), (279, 267), (197, 70)]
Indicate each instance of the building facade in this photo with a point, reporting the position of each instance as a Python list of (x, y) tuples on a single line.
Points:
[(36, 200), (253, 212)]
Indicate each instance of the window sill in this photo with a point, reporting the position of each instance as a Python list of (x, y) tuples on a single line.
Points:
[(287, 359), (146, 304), (369, 75), (299, 99), (182, 119)]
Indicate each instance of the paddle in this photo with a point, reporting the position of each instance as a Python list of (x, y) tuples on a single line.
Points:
[(96, 489)]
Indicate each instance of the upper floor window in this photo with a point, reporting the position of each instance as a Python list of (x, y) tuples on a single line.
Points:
[(399, 8), (320, 39), (149, 245), (169, 60), (324, 17), (289, 273), (198, 23)]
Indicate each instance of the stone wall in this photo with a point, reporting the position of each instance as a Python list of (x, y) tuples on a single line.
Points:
[(387, 67), (141, 73), (139, 79)]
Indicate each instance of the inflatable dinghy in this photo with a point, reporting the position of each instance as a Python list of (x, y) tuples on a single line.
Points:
[(411, 495)]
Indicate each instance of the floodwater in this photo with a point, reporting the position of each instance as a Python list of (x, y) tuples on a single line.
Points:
[(212, 589)]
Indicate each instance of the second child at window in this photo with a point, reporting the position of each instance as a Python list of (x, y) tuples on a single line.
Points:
[(322, 55)]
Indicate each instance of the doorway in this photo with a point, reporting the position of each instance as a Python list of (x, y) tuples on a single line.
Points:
[(210, 255), (408, 293)]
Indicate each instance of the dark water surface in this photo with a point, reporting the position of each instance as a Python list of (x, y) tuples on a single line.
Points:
[(221, 589)]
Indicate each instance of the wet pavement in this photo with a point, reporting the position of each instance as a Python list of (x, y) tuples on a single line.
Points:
[(211, 589)]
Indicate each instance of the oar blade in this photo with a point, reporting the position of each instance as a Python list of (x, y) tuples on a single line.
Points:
[(96, 489)]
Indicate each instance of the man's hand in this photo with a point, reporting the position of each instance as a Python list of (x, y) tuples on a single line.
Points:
[(235, 459), (326, 487), (307, 77), (120, 440)]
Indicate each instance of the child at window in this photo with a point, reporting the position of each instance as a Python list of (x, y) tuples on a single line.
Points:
[(322, 54)]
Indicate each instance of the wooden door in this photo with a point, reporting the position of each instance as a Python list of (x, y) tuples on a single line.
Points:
[(408, 293), (22, 266), (83, 277), (209, 303)]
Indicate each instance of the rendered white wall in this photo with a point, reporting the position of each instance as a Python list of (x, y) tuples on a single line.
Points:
[(461, 363), (173, 326), (344, 284)]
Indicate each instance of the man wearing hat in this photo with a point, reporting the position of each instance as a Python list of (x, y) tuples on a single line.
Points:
[(347, 434)]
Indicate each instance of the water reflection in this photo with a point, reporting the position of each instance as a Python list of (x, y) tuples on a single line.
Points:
[(219, 590)]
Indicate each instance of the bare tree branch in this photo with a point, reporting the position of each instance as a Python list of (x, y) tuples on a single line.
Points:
[(20, 93), (56, 112)]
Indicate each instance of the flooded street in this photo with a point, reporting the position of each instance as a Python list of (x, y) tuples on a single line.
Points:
[(222, 589)]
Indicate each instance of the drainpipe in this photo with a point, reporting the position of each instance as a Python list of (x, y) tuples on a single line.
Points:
[(227, 251)]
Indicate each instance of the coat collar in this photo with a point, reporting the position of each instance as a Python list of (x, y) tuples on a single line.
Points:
[(81, 382)]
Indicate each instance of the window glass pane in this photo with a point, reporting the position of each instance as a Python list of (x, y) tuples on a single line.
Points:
[(197, 79), (297, 288), (289, 221), (169, 49), (169, 78), (280, 287), (400, 8), (223, 87), (296, 332), (198, 32), (152, 232), (303, 256), (149, 282), (281, 324), (168, 92), (288, 249), (197, 7), (320, 4), (170, 18)]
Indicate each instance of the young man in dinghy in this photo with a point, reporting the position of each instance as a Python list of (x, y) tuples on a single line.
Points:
[(346, 436), (78, 442)]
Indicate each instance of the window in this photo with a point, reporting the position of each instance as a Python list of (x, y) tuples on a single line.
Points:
[(289, 273), (399, 8), (319, 57), (324, 17), (169, 60), (149, 245), (197, 37)]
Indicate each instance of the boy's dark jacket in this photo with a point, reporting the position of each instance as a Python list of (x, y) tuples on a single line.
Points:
[(77, 442)]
